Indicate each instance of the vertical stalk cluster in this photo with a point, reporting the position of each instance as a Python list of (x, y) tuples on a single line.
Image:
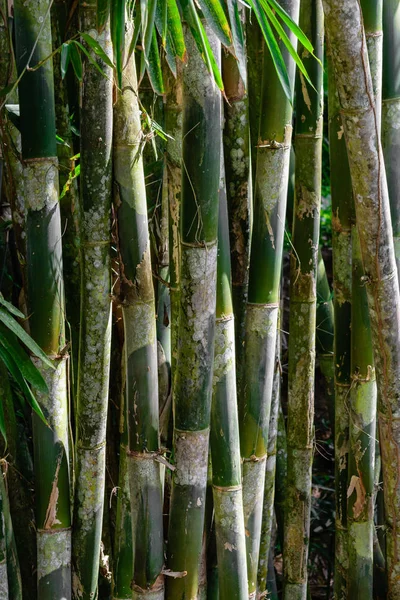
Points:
[(45, 297), (201, 135), (138, 307), (303, 280), (270, 194), (353, 77), (95, 320)]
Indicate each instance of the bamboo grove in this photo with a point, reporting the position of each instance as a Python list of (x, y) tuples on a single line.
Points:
[(172, 318)]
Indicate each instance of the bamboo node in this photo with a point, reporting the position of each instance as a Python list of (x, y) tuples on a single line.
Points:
[(254, 458)]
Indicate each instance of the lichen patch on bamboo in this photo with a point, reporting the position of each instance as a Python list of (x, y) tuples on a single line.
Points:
[(41, 183), (54, 551), (191, 452)]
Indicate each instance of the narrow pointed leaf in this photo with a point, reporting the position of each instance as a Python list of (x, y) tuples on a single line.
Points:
[(154, 67), (118, 36), (97, 49), (11, 308), (24, 387), (148, 14), (301, 36), (239, 43), (76, 60), (272, 46), (65, 58), (23, 361), (175, 31), (103, 8), (26, 339), (216, 18)]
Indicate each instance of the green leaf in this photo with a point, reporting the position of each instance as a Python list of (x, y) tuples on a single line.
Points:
[(89, 57), (11, 308), (65, 58), (285, 39), (175, 31), (294, 28), (216, 19), (148, 14), (161, 20), (23, 361), (118, 36), (26, 339), (200, 37), (239, 43), (97, 49), (25, 389), (154, 67), (76, 60), (273, 48)]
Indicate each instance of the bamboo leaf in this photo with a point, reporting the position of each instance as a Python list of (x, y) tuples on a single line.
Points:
[(161, 20), (175, 31), (294, 28), (148, 14), (76, 60), (23, 361), (216, 18), (103, 11), (154, 67), (282, 34), (89, 57), (97, 49), (200, 37), (17, 375), (11, 308), (26, 339), (239, 43), (65, 58), (273, 47)]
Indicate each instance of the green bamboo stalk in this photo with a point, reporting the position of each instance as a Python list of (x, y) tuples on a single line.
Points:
[(342, 202), (13, 570), (362, 406), (391, 113), (123, 527), (270, 191), (362, 425), (138, 307), (201, 136), (255, 52), (95, 323), (347, 40), (264, 562), (303, 279), (236, 141), (45, 297), (224, 436), (281, 475)]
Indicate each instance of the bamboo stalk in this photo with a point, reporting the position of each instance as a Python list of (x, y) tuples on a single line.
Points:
[(13, 574), (391, 113), (346, 36), (266, 550), (270, 191), (224, 436), (138, 307), (45, 297), (362, 408), (325, 333), (95, 325), (193, 383), (236, 140), (303, 279)]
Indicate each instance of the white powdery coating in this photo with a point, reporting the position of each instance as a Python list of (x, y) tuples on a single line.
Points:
[(224, 353), (272, 167), (54, 552), (3, 581), (262, 319), (56, 402), (199, 279), (148, 595), (191, 453), (90, 491), (228, 506), (140, 326), (253, 493), (197, 80), (41, 184)]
